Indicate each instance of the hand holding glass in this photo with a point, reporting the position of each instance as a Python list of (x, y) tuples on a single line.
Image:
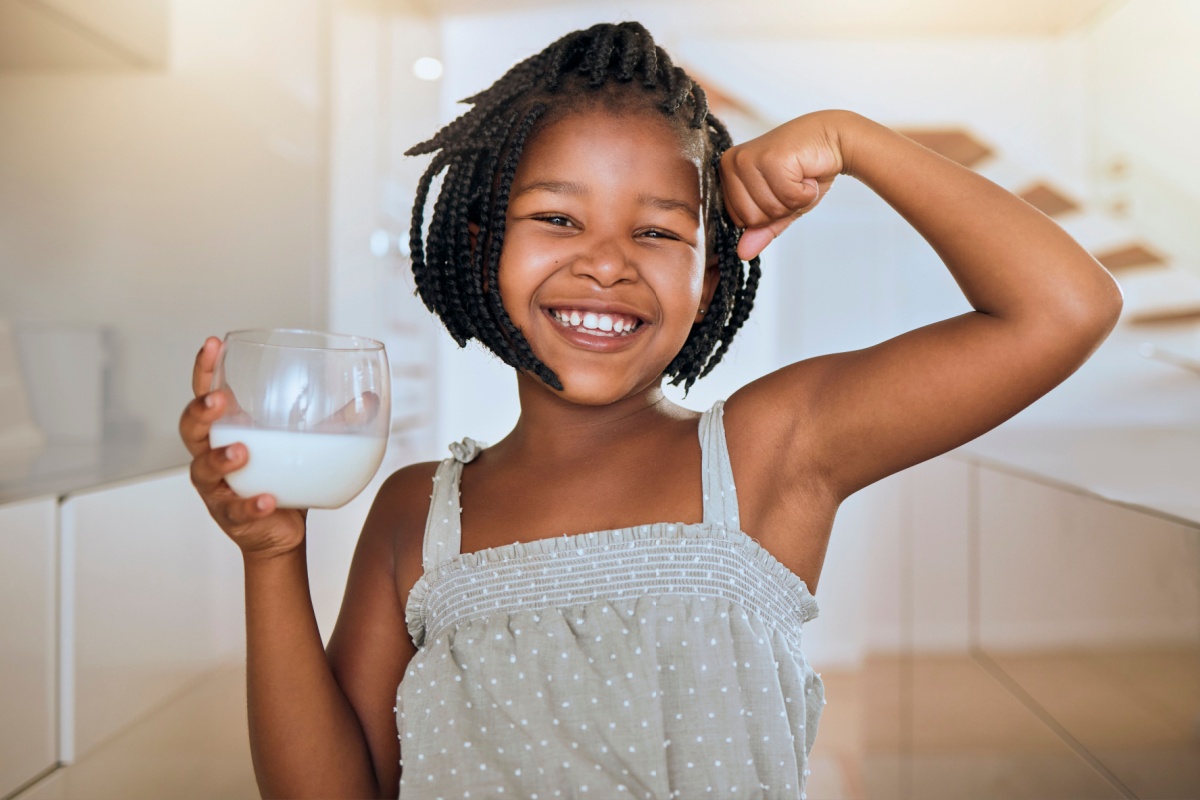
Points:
[(313, 410)]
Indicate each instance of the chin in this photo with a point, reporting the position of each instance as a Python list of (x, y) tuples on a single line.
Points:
[(591, 389)]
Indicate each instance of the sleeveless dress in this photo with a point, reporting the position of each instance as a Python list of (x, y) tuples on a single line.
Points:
[(655, 661)]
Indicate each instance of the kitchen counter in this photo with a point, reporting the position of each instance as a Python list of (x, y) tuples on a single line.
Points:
[(59, 469), (1123, 428)]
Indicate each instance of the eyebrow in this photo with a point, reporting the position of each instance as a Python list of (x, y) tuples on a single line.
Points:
[(667, 204), (572, 188), (557, 187)]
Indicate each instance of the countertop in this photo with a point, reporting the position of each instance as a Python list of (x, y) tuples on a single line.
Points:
[(59, 469), (1123, 427)]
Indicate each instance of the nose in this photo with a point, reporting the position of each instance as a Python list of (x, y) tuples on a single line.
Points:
[(605, 262)]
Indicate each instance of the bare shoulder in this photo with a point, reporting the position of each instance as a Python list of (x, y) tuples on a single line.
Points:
[(770, 423), (399, 508), (774, 436), (408, 488), (408, 492)]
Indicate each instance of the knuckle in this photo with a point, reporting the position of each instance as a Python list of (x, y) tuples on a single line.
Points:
[(195, 474)]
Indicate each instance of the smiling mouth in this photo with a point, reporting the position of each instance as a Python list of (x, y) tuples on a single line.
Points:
[(594, 323)]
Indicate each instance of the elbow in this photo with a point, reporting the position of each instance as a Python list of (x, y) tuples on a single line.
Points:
[(1097, 309)]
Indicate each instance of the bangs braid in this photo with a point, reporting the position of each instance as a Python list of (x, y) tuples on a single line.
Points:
[(620, 68), (514, 347)]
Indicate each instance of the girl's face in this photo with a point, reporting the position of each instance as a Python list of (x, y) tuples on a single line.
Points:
[(603, 266)]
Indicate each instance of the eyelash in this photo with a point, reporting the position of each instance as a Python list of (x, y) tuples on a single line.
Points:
[(548, 217)]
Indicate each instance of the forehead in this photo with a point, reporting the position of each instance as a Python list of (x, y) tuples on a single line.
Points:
[(633, 148)]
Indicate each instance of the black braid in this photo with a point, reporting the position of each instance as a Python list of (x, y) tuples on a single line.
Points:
[(621, 68)]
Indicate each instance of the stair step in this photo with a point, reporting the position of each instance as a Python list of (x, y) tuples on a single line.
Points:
[(1159, 294), (953, 143), (1098, 232), (1130, 256), (1047, 199)]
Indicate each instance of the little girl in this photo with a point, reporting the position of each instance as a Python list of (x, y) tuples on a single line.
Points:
[(609, 601)]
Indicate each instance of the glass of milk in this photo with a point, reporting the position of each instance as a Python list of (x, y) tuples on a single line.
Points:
[(313, 410)]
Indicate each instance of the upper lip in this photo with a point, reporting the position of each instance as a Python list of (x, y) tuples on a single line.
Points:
[(599, 307)]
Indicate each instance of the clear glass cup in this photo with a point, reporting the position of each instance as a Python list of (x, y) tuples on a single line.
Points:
[(313, 410)]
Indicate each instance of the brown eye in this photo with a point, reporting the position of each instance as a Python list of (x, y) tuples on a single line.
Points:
[(657, 234)]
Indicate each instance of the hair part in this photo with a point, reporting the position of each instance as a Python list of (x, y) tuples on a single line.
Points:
[(614, 67)]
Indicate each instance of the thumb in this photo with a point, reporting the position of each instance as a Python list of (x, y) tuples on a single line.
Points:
[(754, 241)]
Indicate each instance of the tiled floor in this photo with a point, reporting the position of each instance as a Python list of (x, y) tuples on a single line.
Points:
[(1040, 726), (1045, 727), (194, 748)]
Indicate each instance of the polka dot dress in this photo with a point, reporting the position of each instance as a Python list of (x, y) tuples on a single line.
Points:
[(657, 661)]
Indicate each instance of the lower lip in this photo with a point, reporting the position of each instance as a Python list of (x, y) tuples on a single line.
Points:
[(600, 344)]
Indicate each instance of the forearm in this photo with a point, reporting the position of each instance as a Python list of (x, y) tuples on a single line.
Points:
[(1010, 260), (305, 739)]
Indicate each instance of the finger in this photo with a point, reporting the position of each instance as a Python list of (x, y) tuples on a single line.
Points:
[(766, 199), (242, 511), (737, 199), (209, 469), (202, 371), (753, 242), (794, 195), (197, 419), (359, 411)]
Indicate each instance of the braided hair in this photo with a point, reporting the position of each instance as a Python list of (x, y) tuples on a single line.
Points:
[(617, 67)]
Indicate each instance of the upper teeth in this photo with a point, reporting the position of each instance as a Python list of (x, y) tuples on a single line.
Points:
[(590, 320)]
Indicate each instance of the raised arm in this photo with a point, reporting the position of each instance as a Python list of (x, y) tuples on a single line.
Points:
[(1042, 303)]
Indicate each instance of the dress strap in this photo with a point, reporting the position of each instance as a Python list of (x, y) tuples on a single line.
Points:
[(443, 526), (720, 495)]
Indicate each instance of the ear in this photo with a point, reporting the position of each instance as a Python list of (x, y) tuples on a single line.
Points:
[(712, 276), (473, 227)]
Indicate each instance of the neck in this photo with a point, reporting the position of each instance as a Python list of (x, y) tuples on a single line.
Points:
[(551, 428)]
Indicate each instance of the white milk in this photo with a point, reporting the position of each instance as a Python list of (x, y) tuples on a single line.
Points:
[(301, 470)]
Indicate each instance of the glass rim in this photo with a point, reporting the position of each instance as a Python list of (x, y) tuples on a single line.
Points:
[(238, 335)]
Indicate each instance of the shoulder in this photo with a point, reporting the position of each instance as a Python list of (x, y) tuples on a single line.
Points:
[(775, 414), (405, 493), (773, 433), (399, 508), (396, 522)]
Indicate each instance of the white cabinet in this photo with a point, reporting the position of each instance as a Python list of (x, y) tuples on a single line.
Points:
[(1092, 609), (152, 600), (28, 608)]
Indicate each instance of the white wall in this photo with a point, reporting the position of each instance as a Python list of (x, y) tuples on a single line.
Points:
[(1142, 64), (171, 204)]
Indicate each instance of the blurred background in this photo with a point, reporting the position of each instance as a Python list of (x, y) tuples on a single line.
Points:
[(1019, 618)]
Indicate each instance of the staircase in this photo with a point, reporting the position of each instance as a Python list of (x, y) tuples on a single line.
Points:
[(1156, 289)]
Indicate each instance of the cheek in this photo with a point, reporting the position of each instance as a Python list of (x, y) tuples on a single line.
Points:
[(519, 277), (684, 287)]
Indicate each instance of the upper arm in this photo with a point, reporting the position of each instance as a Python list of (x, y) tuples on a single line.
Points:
[(370, 647), (862, 415)]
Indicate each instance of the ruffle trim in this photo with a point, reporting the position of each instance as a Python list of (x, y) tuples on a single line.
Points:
[(414, 612), (466, 450)]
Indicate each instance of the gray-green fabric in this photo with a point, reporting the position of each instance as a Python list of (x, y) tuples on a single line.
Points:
[(656, 661)]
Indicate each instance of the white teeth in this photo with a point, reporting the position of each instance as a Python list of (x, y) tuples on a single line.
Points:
[(594, 323)]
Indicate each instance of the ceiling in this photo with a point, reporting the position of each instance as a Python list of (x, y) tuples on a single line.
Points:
[(133, 34), (83, 34), (827, 18)]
